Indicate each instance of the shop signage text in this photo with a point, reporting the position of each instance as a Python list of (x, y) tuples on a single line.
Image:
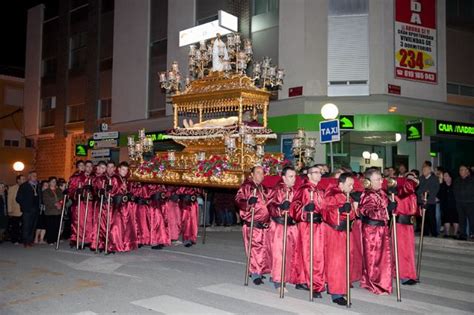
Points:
[(416, 40), (454, 128)]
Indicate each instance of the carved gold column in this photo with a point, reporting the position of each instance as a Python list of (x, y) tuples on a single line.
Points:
[(175, 116), (240, 110), (200, 113), (265, 113)]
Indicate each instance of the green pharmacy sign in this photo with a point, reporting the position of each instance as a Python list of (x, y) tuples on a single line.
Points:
[(454, 128), (346, 121), (81, 150), (414, 131), (157, 136)]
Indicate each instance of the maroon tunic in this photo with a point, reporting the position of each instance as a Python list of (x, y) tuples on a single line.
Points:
[(158, 229), (122, 230), (190, 213), (301, 199), (293, 273), (377, 272), (260, 259), (405, 232), (99, 184), (75, 182), (172, 212), (335, 249)]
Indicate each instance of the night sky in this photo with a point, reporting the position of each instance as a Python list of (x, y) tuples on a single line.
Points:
[(13, 31)]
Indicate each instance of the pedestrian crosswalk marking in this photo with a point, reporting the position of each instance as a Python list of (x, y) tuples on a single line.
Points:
[(167, 304), (85, 313), (406, 304), (272, 300)]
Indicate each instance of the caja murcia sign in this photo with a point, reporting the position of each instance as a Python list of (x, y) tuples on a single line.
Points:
[(454, 128), (416, 40)]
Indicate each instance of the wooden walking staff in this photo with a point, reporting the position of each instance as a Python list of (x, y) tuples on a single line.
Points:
[(249, 245), (348, 254), (395, 246), (420, 245), (78, 218), (283, 254), (88, 195), (61, 221), (108, 221), (204, 217), (99, 219), (311, 249)]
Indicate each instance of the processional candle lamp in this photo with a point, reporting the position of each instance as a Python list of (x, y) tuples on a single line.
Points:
[(260, 151), (301, 133)]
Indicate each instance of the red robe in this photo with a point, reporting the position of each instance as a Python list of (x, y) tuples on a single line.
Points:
[(75, 182), (88, 228), (141, 212), (301, 199), (260, 259), (190, 213), (293, 273), (158, 229), (376, 241), (99, 184), (172, 213), (122, 235), (405, 232), (335, 247), (356, 235)]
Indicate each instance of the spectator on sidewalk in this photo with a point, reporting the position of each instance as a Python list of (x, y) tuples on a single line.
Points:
[(429, 184), (41, 223), (28, 197), (14, 211), (52, 200), (464, 194), (449, 214)]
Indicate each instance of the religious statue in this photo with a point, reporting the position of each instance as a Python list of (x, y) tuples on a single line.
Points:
[(219, 53)]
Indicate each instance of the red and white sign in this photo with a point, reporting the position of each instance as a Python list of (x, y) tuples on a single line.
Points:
[(415, 40)]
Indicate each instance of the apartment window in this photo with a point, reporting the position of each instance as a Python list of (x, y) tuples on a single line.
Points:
[(105, 108), (48, 106), (264, 6), (75, 113), (49, 67), (78, 51), (11, 143), (460, 89), (29, 143)]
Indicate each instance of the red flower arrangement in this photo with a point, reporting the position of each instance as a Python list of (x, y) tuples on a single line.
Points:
[(273, 166), (157, 165), (214, 166)]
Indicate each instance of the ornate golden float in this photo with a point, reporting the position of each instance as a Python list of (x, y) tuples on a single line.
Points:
[(226, 141)]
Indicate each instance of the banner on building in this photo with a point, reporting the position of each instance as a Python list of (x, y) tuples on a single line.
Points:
[(415, 40)]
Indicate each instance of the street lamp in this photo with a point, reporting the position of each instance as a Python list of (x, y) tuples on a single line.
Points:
[(18, 166), (374, 156), (330, 111)]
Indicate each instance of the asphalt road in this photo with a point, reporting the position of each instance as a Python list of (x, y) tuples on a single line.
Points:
[(206, 279)]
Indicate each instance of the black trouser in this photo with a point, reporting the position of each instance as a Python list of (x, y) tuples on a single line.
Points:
[(52, 228), (14, 229), (465, 211), (29, 226), (430, 221)]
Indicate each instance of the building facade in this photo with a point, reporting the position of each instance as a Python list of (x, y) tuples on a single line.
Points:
[(95, 61), (14, 146)]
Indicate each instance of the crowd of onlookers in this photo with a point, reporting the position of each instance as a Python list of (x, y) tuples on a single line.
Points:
[(30, 210)]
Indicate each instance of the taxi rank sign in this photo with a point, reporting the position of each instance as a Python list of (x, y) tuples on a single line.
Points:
[(454, 128)]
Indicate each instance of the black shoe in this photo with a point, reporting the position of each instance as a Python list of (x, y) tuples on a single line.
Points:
[(409, 282), (159, 246), (301, 286), (340, 301), (188, 244), (317, 295), (258, 281)]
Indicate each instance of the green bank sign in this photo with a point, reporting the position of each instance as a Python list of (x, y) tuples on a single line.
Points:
[(454, 128), (414, 131)]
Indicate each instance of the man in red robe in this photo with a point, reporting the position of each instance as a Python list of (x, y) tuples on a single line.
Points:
[(405, 212), (172, 213), (159, 236), (375, 210), (74, 190), (281, 196), (99, 184), (122, 236), (335, 211), (190, 212), (309, 198), (86, 223), (253, 195)]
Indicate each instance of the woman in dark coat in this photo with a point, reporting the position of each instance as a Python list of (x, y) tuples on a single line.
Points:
[(449, 214), (52, 201)]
